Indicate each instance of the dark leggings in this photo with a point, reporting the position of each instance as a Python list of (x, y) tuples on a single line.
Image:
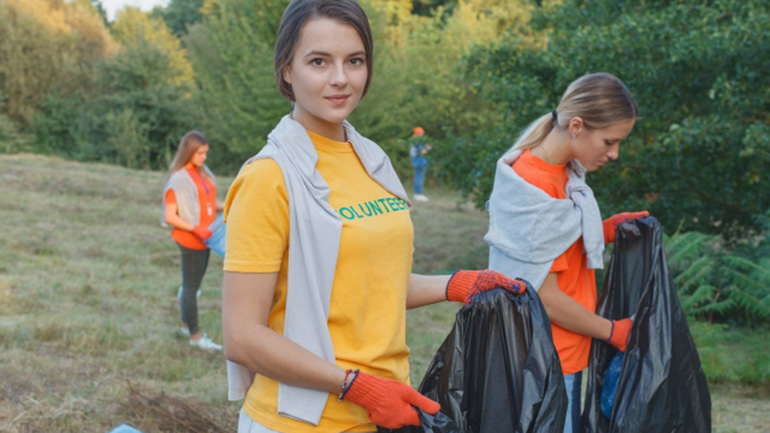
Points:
[(194, 264)]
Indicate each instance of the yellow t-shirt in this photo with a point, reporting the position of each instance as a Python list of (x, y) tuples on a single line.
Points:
[(367, 314)]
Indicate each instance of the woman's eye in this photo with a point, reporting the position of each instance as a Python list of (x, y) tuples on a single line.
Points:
[(317, 62), (357, 61)]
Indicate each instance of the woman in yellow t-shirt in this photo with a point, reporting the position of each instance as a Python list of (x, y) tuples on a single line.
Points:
[(319, 250), (190, 206)]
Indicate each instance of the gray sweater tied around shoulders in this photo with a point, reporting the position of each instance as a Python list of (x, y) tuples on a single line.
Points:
[(529, 229), (314, 239)]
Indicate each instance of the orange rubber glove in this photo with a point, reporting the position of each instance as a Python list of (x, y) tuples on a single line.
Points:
[(610, 225), (463, 285), (619, 333), (202, 232), (389, 402)]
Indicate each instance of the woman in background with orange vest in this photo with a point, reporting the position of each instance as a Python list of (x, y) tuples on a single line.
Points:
[(190, 206)]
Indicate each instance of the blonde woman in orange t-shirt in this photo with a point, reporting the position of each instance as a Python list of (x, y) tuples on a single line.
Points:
[(581, 135), (190, 206)]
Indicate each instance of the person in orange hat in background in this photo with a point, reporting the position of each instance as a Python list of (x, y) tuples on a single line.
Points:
[(417, 150)]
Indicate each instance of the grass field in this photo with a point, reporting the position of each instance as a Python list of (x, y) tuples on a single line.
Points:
[(89, 313)]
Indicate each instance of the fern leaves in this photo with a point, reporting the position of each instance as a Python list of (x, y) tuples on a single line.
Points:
[(716, 284)]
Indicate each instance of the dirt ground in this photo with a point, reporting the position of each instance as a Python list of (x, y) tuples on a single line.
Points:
[(740, 408)]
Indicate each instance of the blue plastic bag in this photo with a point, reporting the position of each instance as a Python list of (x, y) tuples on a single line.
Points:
[(125, 428), (217, 240), (611, 384)]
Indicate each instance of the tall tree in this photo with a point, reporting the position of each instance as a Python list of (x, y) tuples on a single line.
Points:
[(180, 14), (232, 53), (137, 103), (46, 44), (132, 27), (418, 79), (427, 8), (699, 154), (99, 7)]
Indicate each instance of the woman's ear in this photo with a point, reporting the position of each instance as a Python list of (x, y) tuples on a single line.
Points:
[(286, 74), (576, 126)]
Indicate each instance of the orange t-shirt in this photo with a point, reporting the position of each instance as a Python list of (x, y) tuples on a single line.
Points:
[(573, 276), (207, 197)]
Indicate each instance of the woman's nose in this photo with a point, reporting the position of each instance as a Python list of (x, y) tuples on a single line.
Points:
[(339, 76)]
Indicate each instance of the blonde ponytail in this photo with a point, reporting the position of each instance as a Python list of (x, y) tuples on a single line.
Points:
[(600, 99), (535, 132)]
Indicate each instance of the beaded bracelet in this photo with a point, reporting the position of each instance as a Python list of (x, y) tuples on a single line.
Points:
[(345, 387), (612, 331)]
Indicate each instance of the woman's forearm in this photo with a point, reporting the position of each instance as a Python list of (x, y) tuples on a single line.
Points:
[(246, 302), (569, 314), (426, 289), (172, 217)]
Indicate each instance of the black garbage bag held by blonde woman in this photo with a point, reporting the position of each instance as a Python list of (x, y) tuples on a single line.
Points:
[(661, 386), (496, 371)]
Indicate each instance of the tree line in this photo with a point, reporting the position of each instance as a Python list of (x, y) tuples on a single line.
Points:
[(473, 73)]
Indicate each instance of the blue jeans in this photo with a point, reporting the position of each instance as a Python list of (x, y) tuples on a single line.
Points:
[(574, 384), (419, 178)]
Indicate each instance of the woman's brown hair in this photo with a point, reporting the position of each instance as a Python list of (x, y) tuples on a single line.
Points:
[(190, 143)]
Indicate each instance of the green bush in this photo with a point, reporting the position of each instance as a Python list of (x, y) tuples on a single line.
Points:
[(135, 115), (699, 152), (180, 14), (11, 139), (732, 354), (128, 137), (718, 284), (232, 54)]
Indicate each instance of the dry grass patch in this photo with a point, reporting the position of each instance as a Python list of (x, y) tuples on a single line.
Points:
[(165, 413)]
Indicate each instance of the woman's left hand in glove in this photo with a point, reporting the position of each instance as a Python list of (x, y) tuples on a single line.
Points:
[(610, 225)]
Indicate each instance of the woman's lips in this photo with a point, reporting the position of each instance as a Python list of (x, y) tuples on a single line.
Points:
[(338, 99)]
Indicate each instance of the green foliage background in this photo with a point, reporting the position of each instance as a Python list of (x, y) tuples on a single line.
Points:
[(473, 73), (700, 152), (232, 54)]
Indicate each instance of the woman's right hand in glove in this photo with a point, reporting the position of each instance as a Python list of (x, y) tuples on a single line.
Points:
[(610, 225), (202, 232), (390, 404)]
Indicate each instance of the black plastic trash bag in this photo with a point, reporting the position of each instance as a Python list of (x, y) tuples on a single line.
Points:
[(661, 387), (438, 423), (497, 371)]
